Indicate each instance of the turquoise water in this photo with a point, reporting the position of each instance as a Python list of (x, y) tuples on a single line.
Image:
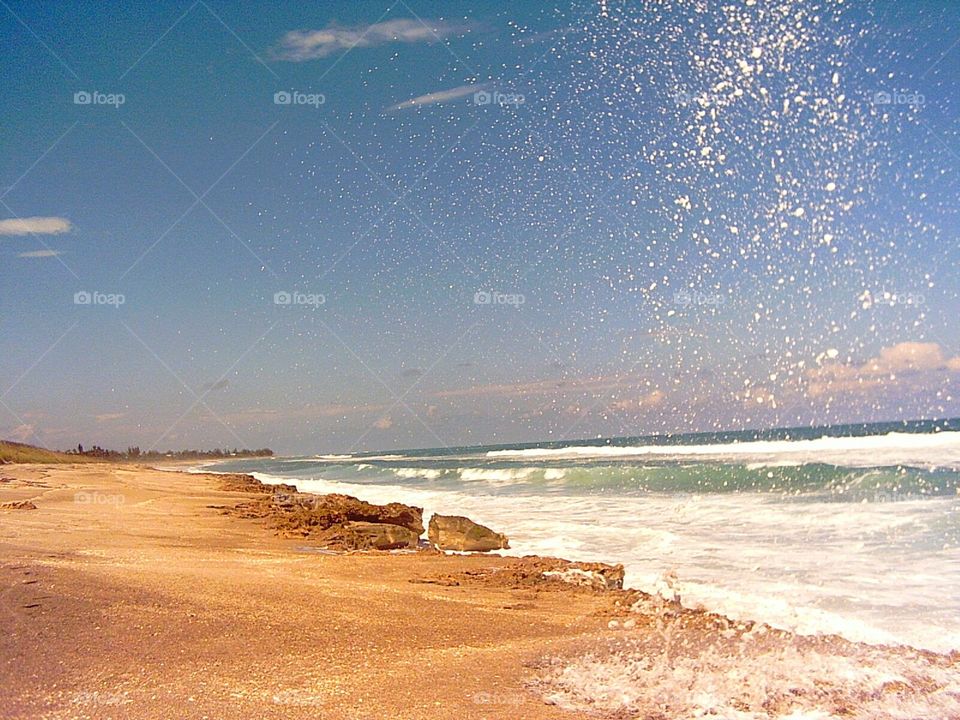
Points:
[(850, 529)]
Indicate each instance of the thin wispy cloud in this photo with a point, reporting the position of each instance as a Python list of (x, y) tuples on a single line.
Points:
[(303, 45), (107, 417), (437, 97), (40, 254), (34, 226)]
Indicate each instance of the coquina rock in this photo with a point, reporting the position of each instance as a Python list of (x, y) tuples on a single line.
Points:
[(455, 532), (241, 482), (368, 536), (595, 575), (337, 509), (303, 515)]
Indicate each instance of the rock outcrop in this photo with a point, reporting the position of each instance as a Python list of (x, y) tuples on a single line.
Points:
[(18, 505), (594, 575), (455, 532), (302, 511), (541, 573), (241, 482), (339, 522), (368, 536)]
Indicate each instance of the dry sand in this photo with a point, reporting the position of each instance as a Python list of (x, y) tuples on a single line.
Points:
[(124, 594)]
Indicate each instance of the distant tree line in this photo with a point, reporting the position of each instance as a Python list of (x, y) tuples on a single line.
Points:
[(135, 453)]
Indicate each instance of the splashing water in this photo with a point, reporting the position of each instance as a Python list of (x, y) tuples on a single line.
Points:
[(677, 669)]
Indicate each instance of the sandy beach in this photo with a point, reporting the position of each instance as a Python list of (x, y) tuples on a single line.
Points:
[(129, 592), (125, 595)]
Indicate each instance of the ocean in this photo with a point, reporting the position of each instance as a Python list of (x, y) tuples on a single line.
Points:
[(851, 530)]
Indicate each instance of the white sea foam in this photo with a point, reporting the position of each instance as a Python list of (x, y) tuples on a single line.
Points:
[(493, 476), (496, 475), (427, 473), (669, 671), (927, 450), (875, 572)]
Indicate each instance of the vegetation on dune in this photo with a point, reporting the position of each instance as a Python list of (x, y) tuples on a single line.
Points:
[(14, 452)]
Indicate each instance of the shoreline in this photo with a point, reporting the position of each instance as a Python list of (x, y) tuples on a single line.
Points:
[(141, 597)]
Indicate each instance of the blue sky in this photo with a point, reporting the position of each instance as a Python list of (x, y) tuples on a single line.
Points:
[(493, 223)]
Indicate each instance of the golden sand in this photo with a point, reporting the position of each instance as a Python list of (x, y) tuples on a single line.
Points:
[(124, 594)]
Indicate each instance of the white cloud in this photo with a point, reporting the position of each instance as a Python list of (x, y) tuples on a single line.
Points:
[(302, 45), (437, 97), (40, 253), (906, 363), (34, 225), (107, 417)]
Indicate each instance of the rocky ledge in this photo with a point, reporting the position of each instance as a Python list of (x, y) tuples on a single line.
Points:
[(342, 522), (337, 522), (536, 572)]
